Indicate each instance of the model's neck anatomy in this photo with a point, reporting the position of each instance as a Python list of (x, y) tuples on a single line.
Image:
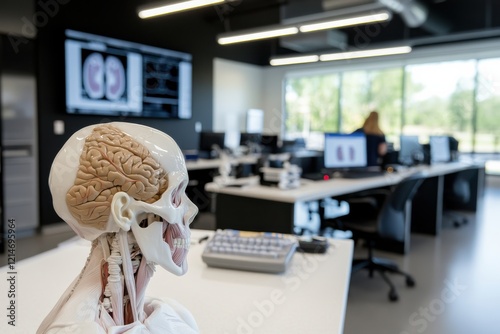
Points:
[(125, 275)]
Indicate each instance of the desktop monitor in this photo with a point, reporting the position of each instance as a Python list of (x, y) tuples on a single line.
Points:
[(294, 145), (440, 149), (248, 139), (453, 148), (208, 140), (269, 143), (345, 150), (410, 150)]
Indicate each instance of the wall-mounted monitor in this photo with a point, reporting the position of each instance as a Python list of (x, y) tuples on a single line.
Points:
[(345, 150), (111, 77)]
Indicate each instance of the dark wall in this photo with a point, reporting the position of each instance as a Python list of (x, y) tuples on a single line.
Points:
[(192, 32)]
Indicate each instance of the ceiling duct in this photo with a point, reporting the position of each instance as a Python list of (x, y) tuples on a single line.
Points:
[(338, 4), (415, 14), (315, 41), (297, 11)]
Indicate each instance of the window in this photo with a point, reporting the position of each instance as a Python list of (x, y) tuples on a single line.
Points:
[(363, 91), (458, 98), (487, 136), (439, 100), (312, 107)]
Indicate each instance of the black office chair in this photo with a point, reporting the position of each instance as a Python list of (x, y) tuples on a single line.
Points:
[(386, 223), (457, 192)]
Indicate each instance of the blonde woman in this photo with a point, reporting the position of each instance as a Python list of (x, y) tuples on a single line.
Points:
[(376, 145)]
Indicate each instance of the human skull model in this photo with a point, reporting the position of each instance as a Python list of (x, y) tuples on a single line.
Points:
[(122, 186)]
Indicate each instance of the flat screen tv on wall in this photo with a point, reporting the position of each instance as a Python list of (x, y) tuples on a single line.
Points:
[(111, 77)]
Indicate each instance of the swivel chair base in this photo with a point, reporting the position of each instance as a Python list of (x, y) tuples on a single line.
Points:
[(457, 219), (382, 266)]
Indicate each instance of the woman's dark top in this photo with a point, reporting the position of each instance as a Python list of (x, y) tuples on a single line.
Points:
[(372, 144)]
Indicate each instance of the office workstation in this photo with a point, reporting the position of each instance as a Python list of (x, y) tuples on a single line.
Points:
[(242, 113), (340, 178)]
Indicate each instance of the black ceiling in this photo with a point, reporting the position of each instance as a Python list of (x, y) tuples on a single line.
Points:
[(447, 21)]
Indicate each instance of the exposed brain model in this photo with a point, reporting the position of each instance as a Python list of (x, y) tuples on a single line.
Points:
[(122, 186)]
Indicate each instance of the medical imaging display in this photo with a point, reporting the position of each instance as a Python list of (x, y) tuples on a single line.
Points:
[(103, 76), (345, 150), (111, 77)]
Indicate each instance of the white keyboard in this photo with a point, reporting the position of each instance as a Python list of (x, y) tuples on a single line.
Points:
[(252, 251)]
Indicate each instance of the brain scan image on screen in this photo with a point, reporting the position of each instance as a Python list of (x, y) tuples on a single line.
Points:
[(352, 153), (111, 77), (115, 78), (340, 155), (344, 150), (93, 75)]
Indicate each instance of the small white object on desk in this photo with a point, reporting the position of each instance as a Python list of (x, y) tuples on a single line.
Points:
[(287, 177)]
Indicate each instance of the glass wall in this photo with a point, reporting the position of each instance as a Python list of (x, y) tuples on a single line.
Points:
[(363, 91), (439, 99), (458, 98), (487, 137), (312, 107)]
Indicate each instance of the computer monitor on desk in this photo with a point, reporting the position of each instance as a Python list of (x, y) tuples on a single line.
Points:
[(269, 143), (345, 151), (410, 151), (440, 149), (209, 143), (248, 139)]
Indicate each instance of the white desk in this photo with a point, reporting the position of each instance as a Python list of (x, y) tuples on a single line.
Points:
[(262, 208), (314, 190), (215, 163), (309, 298)]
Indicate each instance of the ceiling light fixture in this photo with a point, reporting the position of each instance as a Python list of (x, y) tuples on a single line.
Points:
[(365, 53), (278, 61), (304, 27), (294, 60), (162, 9), (251, 36), (346, 22)]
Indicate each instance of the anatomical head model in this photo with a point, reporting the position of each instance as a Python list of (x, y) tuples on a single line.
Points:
[(122, 186)]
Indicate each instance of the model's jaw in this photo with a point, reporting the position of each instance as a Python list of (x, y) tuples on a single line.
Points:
[(178, 241), (163, 243)]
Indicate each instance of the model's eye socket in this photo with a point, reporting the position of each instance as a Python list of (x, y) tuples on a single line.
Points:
[(177, 195)]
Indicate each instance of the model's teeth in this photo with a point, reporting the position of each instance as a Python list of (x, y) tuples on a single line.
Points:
[(181, 243)]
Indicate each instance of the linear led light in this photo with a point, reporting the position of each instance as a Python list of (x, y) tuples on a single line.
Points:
[(346, 22), (365, 53), (175, 7), (258, 35), (340, 56), (291, 29), (294, 60)]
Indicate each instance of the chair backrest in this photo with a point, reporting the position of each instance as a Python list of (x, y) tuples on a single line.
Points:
[(457, 187), (392, 219)]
